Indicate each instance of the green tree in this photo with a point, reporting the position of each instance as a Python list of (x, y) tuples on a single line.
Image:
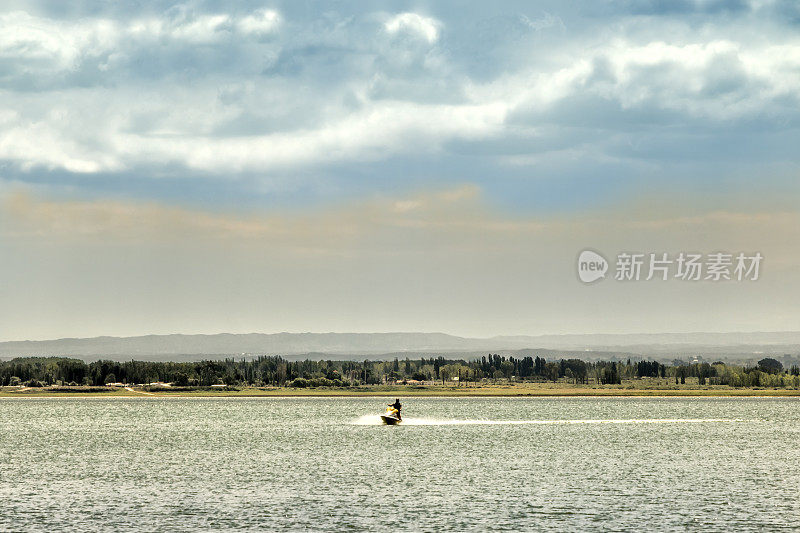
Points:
[(770, 366)]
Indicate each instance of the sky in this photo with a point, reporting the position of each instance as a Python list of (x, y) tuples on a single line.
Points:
[(207, 166)]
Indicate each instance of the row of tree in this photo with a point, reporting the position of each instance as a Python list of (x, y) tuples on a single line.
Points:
[(277, 371)]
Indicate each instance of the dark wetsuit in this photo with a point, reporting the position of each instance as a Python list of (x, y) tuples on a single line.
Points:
[(396, 405)]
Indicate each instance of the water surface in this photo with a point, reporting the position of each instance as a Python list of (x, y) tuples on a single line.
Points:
[(457, 464)]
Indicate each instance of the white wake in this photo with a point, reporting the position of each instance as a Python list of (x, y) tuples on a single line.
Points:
[(375, 420)]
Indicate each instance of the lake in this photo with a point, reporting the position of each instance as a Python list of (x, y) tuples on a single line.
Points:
[(456, 464)]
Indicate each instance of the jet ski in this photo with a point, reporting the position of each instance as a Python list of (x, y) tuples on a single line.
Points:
[(391, 417)]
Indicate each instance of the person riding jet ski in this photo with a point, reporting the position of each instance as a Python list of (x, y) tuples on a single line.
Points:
[(396, 407), (392, 415)]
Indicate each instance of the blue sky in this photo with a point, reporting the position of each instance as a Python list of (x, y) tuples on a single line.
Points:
[(545, 111)]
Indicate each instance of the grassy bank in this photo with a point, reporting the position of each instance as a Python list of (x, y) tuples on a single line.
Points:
[(522, 389)]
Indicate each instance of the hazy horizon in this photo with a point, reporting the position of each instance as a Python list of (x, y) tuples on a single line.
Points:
[(351, 346), (533, 335)]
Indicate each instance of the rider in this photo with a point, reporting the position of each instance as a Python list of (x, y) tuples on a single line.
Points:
[(396, 406)]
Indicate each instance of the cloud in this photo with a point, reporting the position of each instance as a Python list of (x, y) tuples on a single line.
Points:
[(156, 131), (717, 81), (414, 24), (260, 22), (328, 101), (50, 44), (54, 45), (370, 134), (203, 29)]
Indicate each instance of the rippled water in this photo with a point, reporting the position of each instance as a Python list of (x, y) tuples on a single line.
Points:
[(465, 464)]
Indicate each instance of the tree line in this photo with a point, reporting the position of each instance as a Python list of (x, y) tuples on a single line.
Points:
[(277, 371)]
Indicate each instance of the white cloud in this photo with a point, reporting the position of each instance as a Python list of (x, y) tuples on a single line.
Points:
[(260, 22), (155, 128), (719, 80), (414, 24), (342, 92), (39, 144), (202, 29), (57, 43), (377, 131), (64, 43)]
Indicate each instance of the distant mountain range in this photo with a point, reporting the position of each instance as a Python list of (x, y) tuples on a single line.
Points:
[(385, 345)]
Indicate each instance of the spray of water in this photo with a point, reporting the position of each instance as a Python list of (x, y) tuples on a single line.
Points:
[(375, 420)]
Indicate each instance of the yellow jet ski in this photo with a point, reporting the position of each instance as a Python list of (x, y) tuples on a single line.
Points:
[(391, 417)]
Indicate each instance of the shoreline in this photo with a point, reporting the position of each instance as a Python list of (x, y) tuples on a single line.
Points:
[(520, 391)]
